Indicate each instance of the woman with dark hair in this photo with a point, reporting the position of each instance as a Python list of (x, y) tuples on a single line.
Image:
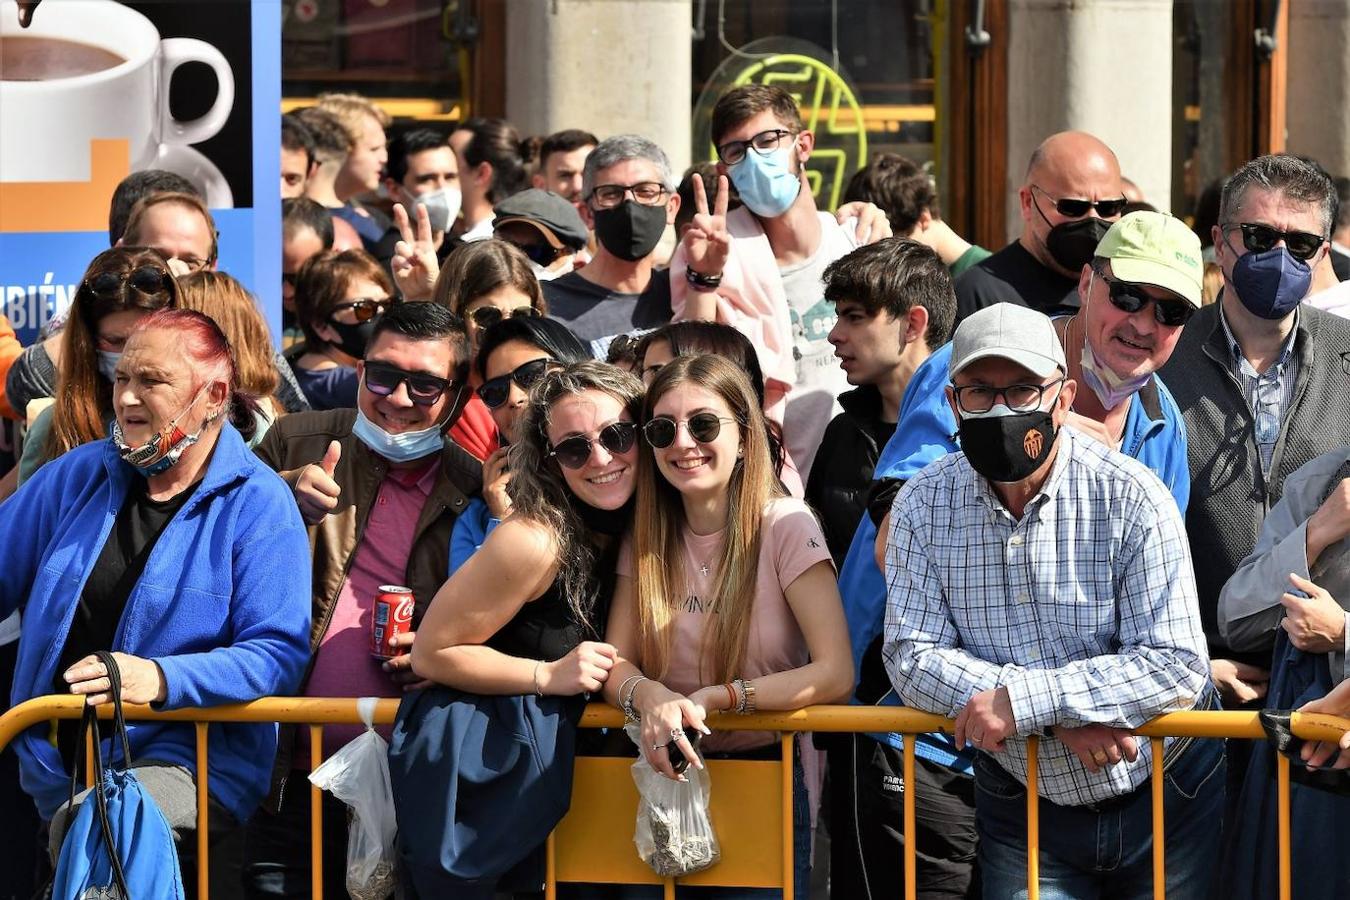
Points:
[(493, 165), (120, 287), (513, 356), (338, 296), (172, 546)]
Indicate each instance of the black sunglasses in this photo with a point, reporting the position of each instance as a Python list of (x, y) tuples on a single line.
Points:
[(363, 309), (383, 379), (704, 427), (539, 254), (616, 437), (495, 391), (487, 316), (146, 279), (1130, 299), (1077, 207), (1259, 238)]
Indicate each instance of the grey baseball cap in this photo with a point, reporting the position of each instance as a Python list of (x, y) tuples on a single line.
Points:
[(557, 219), (1011, 332)]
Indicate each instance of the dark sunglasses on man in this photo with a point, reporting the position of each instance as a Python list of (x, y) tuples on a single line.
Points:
[(495, 391), (1077, 207), (382, 379), (487, 316), (539, 254), (574, 452), (1258, 238), (146, 279), (1130, 298)]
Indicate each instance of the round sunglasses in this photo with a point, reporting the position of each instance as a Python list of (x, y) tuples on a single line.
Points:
[(575, 452), (495, 391), (1130, 299), (487, 316), (703, 427), (146, 279)]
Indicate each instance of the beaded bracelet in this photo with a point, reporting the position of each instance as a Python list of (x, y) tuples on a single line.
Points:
[(629, 713), (701, 281)]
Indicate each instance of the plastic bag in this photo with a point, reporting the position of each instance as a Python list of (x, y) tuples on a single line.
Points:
[(358, 775), (674, 834)]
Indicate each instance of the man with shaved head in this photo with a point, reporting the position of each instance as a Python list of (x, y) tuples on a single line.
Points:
[(1071, 195)]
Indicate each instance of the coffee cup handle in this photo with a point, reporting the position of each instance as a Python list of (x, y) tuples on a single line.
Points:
[(173, 53)]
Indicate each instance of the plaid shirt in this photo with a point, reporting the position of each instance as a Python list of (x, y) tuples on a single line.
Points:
[(1269, 394), (1085, 610)]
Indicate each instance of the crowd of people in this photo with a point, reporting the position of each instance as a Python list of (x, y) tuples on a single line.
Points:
[(698, 448)]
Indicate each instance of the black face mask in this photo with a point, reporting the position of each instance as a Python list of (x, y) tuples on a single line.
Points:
[(1007, 449), (352, 339), (630, 230), (1073, 244)]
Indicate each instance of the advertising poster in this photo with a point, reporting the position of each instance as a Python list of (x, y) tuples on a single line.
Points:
[(93, 90)]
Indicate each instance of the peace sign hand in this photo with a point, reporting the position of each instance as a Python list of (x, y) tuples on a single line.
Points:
[(414, 263), (707, 242)]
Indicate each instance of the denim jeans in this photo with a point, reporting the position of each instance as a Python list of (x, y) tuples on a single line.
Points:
[(1089, 853)]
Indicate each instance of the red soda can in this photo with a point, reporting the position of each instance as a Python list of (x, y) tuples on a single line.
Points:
[(393, 615)]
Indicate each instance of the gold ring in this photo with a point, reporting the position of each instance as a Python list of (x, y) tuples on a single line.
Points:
[(1099, 756)]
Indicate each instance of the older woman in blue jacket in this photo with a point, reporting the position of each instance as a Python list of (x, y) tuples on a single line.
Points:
[(172, 546)]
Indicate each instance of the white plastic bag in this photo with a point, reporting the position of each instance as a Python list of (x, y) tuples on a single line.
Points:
[(674, 834), (358, 775)]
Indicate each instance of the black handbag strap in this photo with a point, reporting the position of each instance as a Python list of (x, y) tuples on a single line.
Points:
[(119, 716)]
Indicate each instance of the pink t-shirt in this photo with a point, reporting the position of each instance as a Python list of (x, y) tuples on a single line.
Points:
[(343, 666), (791, 542)]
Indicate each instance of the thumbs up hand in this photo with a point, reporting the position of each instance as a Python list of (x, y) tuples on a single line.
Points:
[(316, 493)]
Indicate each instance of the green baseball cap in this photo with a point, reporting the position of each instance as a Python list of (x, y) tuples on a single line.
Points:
[(1155, 248)]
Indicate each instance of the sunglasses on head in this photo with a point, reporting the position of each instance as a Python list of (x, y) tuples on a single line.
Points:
[(1259, 238), (383, 379), (495, 391), (704, 427), (1129, 298), (487, 316), (1077, 207), (575, 452), (146, 279), (363, 309)]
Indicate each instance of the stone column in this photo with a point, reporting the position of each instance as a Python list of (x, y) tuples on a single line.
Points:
[(1319, 82), (1104, 67), (607, 66)]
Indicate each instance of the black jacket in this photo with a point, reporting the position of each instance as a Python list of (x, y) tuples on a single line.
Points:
[(842, 473)]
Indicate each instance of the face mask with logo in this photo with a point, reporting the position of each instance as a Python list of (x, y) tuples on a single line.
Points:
[(441, 205), (399, 448), (163, 451), (1006, 446), (1272, 284), (766, 183), (107, 363), (1110, 388), (630, 230)]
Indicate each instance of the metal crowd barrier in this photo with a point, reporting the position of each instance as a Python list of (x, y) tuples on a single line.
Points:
[(575, 836)]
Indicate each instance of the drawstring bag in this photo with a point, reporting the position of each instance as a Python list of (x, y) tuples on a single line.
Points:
[(358, 775), (118, 847), (674, 834)]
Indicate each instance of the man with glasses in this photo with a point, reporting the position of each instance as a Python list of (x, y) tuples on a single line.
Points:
[(179, 226), (545, 227), (628, 194), (1261, 379), (1071, 195), (380, 487), (1040, 584)]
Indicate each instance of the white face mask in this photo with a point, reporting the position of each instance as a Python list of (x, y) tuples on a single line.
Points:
[(545, 274), (442, 206), (107, 363)]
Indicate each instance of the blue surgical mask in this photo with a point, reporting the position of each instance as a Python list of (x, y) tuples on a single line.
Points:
[(399, 448), (107, 363), (766, 182), (1272, 284)]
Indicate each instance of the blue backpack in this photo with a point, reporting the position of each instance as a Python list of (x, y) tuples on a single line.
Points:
[(118, 847)]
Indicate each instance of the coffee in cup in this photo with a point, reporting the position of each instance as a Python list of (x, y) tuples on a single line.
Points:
[(24, 58)]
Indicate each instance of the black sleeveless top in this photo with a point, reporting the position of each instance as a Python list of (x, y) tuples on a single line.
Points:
[(546, 628)]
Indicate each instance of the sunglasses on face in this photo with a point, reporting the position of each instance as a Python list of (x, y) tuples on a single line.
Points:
[(495, 391), (146, 279), (1130, 299), (383, 379), (539, 254), (363, 310), (1076, 207), (575, 452), (487, 316), (1259, 238), (704, 427)]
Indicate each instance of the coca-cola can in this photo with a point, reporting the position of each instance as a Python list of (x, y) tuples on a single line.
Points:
[(393, 615)]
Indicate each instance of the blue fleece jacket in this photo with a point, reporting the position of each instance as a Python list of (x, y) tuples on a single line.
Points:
[(926, 430), (222, 606)]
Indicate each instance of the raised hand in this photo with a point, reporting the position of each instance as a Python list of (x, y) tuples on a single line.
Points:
[(414, 262), (707, 242)]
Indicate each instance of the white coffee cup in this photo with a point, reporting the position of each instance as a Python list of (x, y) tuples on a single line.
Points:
[(46, 125)]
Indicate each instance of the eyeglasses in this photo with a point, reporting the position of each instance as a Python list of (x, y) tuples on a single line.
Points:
[(646, 193), (539, 254), (703, 427), (495, 391), (1129, 298), (763, 143), (979, 398), (1076, 208), (382, 379), (1259, 238), (363, 309), (487, 316), (146, 279), (575, 452)]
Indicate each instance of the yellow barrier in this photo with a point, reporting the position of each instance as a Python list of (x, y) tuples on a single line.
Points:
[(572, 839)]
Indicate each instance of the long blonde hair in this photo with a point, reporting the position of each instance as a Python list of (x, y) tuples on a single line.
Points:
[(229, 304), (658, 534)]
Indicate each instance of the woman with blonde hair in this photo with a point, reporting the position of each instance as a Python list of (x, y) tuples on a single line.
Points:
[(726, 600)]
